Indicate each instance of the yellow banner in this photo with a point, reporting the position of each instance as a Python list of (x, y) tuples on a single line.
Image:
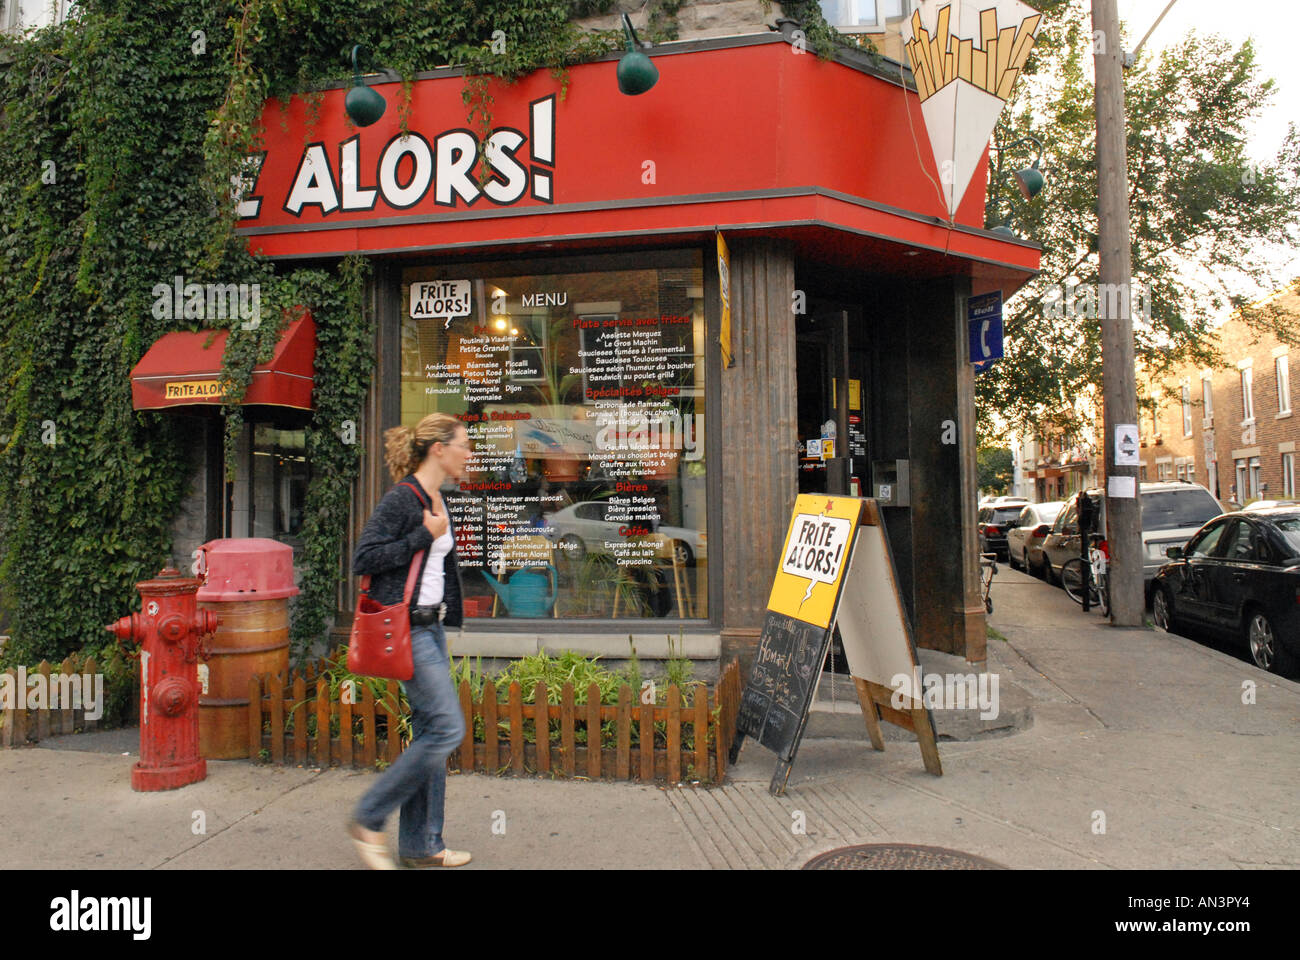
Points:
[(724, 286), (814, 557), (192, 389)]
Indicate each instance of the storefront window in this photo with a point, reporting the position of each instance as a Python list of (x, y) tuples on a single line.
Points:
[(278, 476), (583, 393)]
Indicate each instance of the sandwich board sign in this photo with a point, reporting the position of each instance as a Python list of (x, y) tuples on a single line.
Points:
[(836, 570)]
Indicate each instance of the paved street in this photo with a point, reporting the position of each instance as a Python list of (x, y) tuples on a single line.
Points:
[(1147, 730)]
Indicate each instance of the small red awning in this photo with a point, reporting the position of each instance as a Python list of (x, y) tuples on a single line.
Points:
[(178, 371)]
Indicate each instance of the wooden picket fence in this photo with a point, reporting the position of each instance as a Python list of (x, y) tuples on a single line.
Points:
[(280, 708), (18, 724)]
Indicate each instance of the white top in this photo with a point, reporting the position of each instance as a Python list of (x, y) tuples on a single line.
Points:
[(431, 584)]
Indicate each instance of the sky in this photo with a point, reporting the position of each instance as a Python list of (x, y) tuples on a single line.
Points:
[(1273, 24)]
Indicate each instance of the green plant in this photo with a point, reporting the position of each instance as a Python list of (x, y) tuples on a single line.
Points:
[(602, 576), (336, 673), (555, 671), (678, 669), (821, 37), (473, 674), (568, 667), (633, 668)]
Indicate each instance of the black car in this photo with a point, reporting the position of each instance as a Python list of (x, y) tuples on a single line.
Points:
[(1240, 576), (992, 523)]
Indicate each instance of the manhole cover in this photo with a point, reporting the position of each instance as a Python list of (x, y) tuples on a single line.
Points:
[(898, 856)]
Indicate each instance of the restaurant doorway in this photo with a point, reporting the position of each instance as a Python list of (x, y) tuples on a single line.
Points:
[(832, 426)]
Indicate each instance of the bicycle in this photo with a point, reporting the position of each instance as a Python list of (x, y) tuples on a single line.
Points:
[(988, 567), (1073, 575)]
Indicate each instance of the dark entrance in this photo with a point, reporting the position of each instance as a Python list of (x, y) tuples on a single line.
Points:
[(832, 421), (828, 353)]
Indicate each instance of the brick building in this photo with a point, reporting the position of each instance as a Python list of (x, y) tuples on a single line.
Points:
[(1052, 465), (1232, 429), (1052, 462)]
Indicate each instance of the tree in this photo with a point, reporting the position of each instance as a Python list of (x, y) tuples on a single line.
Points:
[(996, 469), (1198, 210)]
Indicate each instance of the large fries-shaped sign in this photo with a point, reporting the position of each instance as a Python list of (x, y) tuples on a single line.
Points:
[(966, 56)]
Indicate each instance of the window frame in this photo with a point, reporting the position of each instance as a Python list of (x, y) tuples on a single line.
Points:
[(1247, 394), (479, 266), (1187, 409), (1252, 540), (1202, 534), (881, 26), (1282, 370)]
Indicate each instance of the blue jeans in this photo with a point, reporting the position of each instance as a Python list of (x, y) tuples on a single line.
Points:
[(417, 781)]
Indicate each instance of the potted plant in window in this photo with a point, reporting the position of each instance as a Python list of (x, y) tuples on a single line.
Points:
[(560, 463)]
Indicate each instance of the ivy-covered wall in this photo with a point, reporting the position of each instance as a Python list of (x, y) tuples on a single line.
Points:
[(120, 131)]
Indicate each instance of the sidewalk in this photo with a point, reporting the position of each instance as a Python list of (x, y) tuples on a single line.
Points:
[(1145, 728)]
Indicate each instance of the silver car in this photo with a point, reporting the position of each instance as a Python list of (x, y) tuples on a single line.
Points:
[(1172, 510), (1025, 539), (585, 527)]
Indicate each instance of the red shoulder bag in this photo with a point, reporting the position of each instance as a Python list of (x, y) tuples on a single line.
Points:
[(380, 642)]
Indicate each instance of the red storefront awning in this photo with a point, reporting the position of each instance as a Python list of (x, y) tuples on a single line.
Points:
[(179, 371), (823, 153)]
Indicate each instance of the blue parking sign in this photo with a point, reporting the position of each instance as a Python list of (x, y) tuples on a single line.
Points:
[(984, 314)]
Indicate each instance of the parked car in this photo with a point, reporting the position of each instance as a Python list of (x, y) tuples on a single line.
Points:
[(1239, 576), (992, 522), (1269, 504), (1025, 539), (581, 528), (1171, 512)]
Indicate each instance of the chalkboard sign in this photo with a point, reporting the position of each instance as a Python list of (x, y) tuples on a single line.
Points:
[(781, 686), (835, 548)]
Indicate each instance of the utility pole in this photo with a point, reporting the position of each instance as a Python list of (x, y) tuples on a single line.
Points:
[(1119, 392)]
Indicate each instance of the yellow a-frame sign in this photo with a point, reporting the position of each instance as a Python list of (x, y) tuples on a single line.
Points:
[(836, 570)]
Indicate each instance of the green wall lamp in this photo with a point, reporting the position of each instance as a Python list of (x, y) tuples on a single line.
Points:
[(362, 104), (1029, 180), (636, 73)]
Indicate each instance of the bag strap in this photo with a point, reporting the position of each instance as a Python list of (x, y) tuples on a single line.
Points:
[(418, 558), (417, 493), (410, 577)]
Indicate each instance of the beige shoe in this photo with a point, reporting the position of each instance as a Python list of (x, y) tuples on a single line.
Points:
[(447, 858), (372, 847)]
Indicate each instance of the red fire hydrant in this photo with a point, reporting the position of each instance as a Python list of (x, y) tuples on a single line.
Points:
[(170, 630)]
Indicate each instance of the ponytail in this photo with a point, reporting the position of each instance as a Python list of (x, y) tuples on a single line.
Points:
[(406, 447)]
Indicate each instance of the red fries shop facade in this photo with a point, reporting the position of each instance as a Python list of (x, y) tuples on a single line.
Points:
[(660, 318)]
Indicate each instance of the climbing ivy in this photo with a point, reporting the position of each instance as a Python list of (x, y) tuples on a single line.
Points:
[(120, 132), (820, 35)]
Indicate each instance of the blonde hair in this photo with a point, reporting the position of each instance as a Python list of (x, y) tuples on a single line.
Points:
[(405, 447)]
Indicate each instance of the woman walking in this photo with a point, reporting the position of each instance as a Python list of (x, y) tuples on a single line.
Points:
[(409, 519)]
